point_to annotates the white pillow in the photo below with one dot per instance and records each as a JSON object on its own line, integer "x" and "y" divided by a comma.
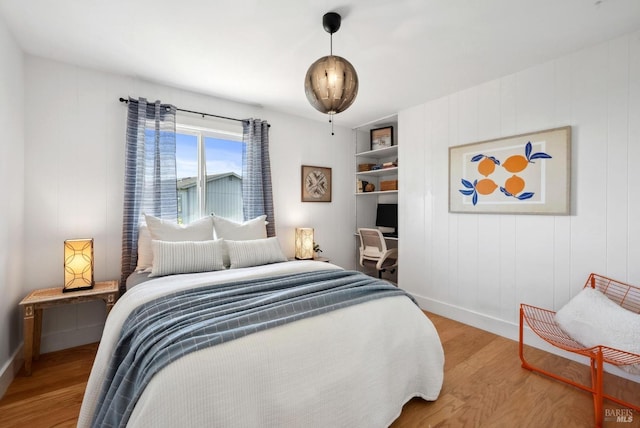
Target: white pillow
{"x": 251, "y": 229}
{"x": 592, "y": 319}
{"x": 230, "y": 230}
{"x": 145, "y": 254}
{"x": 254, "y": 252}
{"x": 186, "y": 257}
{"x": 163, "y": 230}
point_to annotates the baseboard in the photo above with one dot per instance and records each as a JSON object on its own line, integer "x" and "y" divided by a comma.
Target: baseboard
{"x": 10, "y": 370}
{"x": 506, "y": 329}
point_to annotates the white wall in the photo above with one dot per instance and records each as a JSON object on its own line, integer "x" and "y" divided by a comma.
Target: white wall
{"x": 479, "y": 268}
{"x": 11, "y": 175}
{"x": 74, "y": 168}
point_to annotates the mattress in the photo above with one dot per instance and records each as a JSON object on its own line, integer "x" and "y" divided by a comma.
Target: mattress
{"x": 353, "y": 367}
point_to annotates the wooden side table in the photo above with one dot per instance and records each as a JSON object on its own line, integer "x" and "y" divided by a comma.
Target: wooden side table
{"x": 317, "y": 259}
{"x": 37, "y": 300}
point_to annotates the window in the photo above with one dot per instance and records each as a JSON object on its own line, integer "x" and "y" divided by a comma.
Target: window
{"x": 209, "y": 172}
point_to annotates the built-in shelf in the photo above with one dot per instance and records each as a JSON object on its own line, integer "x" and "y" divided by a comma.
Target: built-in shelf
{"x": 366, "y": 202}
{"x": 378, "y": 172}
{"x": 377, "y": 192}
{"x": 380, "y": 153}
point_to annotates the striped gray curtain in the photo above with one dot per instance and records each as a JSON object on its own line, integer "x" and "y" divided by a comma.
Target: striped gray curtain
{"x": 257, "y": 193}
{"x": 150, "y": 173}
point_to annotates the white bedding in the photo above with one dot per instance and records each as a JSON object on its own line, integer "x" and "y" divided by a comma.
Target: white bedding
{"x": 354, "y": 367}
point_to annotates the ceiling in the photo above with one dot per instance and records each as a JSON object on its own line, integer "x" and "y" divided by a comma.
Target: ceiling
{"x": 406, "y": 52}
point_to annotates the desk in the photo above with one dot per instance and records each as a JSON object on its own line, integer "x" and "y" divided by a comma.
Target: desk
{"x": 37, "y": 300}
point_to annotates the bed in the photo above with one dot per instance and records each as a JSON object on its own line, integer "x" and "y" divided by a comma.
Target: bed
{"x": 355, "y": 366}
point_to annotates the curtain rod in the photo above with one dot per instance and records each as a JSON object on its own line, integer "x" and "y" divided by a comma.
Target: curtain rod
{"x": 123, "y": 100}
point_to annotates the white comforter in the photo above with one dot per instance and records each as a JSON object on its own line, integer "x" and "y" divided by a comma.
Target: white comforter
{"x": 354, "y": 367}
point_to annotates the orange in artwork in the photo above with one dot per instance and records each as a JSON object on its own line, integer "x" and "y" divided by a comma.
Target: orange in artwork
{"x": 486, "y": 167}
{"x": 515, "y": 163}
{"x": 514, "y": 185}
{"x": 486, "y": 186}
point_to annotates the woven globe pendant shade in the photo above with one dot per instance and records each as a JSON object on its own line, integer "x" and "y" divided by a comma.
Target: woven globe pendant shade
{"x": 331, "y": 84}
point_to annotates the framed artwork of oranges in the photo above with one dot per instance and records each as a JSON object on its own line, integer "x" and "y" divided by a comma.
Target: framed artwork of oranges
{"x": 522, "y": 174}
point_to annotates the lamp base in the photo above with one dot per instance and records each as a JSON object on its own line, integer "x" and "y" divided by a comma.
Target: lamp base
{"x": 71, "y": 289}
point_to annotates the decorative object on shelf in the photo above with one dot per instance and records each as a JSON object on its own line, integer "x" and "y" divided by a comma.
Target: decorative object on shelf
{"x": 78, "y": 264}
{"x": 388, "y": 185}
{"x": 391, "y": 164}
{"x": 365, "y": 167}
{"x": 523, "y": 174}
{"x": 360, "y": 185}
{"x": 381, "y": 138}
{"x": 331, "y": 83}
{"x": 316, "y": 184}
{"x": 304, "y": 244}
{"x": 370, "y": 187}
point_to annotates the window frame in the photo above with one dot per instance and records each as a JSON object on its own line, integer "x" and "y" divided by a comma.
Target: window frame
{"x": 201, "y": 133}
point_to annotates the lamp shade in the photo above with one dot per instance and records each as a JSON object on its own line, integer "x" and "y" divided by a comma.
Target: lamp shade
{"x": 304, "y": 243}
{"x": 78, "y": 264}
{"x": 331, "y": 84}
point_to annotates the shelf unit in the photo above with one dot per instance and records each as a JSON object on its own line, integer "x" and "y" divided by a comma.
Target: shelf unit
{"x": 366, "y": 202}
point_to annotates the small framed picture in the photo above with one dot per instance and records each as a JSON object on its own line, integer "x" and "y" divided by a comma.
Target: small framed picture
{"x": 316, "y": 184}
{"x": 381, "y": 138}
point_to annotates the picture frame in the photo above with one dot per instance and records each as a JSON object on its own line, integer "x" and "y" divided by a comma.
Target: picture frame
{"x": 521, "y": 174}
{"x": 381, "y": 137}
{"x": 315, "y": 184}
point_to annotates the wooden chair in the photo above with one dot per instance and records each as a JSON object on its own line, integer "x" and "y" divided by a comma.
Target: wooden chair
{"x": 543, "y": 323}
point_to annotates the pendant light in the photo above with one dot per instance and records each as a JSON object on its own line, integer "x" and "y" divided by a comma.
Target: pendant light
{"x": 331, "y": 83}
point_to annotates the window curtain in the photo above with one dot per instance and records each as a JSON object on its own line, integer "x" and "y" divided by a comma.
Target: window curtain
{"x": 150, "y": 173}
{"x": 257, "y": 193}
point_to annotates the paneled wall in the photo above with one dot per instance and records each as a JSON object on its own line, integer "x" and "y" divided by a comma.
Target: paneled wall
{"x": 477, "y": 268}
{"x": 74, "y": 171}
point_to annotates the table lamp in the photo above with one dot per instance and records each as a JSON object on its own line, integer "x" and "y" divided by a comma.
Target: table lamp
{"x": 304, "y": 243}
{"x": 78, "y": 264}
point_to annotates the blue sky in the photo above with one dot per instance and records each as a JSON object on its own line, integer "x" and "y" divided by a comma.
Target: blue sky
{"x": 221, "y": 155}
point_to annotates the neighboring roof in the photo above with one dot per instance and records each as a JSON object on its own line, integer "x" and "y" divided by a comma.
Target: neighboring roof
{"x": 187, "y": 182}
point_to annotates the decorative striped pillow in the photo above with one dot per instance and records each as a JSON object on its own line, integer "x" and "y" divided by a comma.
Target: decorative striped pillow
{"x": 254, "y": 252}
{"x": 186, "y": 257}
{"x": 226, "y": 229}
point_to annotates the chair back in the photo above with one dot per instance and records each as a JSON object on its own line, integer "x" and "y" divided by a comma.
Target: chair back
{"x": 372, "y": 244}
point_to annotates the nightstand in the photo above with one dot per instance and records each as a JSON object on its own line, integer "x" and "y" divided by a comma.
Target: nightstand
{"x": 317, "y": 259}
{"x": 37, "y": 300}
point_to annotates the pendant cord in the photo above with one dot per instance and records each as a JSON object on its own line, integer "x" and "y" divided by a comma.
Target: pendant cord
{"x": 331, "y": 44}
{"x": 331, "y": 54}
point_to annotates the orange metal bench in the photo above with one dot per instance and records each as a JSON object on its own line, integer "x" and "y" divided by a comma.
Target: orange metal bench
{"x": 542, "y": 322}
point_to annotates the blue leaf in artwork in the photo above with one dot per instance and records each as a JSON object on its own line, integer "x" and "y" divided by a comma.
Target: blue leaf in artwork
{"x": 467, "y": 184}
{"x": 503, "y": 190}
{"x": 526, "y": 195}
{"x": 467, "y": 192}
{"x": 527, "y": 150}
{"x": 476, "y": 158}
{"x": 540, "y": 155}
{"x": 496, "y": 161}
{"x": 475, "y": 198}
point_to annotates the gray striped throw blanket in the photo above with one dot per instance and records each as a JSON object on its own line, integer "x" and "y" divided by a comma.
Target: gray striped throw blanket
{"x": 163, "y": 330}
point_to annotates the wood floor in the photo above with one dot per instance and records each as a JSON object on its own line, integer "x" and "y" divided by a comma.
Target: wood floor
{"x": 484, "y": 386}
